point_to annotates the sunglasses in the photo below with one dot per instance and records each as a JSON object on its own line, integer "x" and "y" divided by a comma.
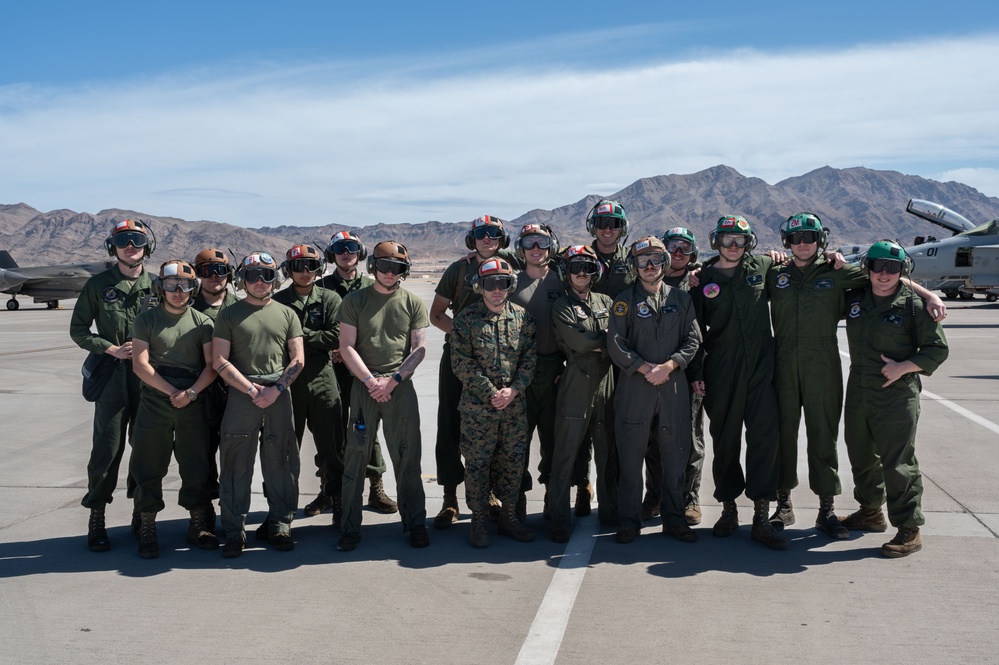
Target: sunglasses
{"x": 890, "y": 266}
{"x": 346, "y": 247}
{"x": 607, "y": 223}
{"x": 206, "y": 270}
{"x": 171, "y": 285}
{"x": 802, "y": 237}
{"x": 734, "y": 240}
{"x": 646, "y": 260}
{"x": 266, "y": 275}
{"x": 304, "y": 265}
{"x": 532, "y": 241}
{"x": 674, "y": 245}
{"x": 481, "y": 232}
{"x": 502, "y": 282}
{"x": 126, "y": 238}
{"x": 390, "y": 266}
{"x": 583, "y": 268}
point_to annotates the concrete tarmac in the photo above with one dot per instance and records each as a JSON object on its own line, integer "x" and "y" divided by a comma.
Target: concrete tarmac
{"x": 590, "y": 601}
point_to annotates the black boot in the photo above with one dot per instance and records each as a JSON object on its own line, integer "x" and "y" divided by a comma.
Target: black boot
{"x": 728, "y": 522}
{"x": 763, "y": 529}
{"x": 827, "y": 522}
{"x": 97, "y": 534}
{"x": 784, "y": 512}
{"x": 149, "y": 546}
{"x": 198, "y": 531}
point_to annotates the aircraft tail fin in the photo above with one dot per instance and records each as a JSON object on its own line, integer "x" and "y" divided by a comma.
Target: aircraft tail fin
{"x": 7, "y": 261}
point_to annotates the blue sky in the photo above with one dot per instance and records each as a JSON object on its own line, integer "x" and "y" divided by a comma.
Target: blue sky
{"x": 309, "y": 113}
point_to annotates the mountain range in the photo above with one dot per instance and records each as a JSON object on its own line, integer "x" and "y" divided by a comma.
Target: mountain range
{"x": 858, "y": 205}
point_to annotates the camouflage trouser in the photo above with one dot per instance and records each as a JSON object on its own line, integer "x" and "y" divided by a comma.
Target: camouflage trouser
{"x": 494, "y": 445}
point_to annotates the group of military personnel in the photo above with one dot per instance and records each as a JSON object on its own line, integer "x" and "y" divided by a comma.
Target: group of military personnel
{"x": 611, "y": 353}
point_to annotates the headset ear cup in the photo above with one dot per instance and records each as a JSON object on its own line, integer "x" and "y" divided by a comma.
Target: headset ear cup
{"x": 825, "y": 239}
{"x": 506, "y": 240}
{"x": 752, "y": 243}
{"x": 362, "y": 254}
{"x": 284, "y": 269}
{"x": 469, "y": 240}
{"x": 109, "y": 247}
{"x": 713, "y": 240}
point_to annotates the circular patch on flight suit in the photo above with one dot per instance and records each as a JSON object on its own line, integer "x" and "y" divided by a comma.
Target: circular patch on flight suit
{"x": 783, "y": 280}
{"x": 854, "y": 310}
{"x": 110, "y": 294}
{"x": 643, "y": 311}
{"x": 580, "y": 312}
{"x": 620, "y": 308}
{"x": 711, "y": 290}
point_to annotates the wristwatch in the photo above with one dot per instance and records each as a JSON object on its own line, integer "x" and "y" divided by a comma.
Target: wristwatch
{"x": 280, "y": 387}
{"x": 398, "y": 377}
{"x": 191, "y": 394}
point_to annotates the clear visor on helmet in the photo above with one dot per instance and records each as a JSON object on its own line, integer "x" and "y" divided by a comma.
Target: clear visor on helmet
{"x": 535, "y": 240}
{"x": 674, "y": 245}
{"x": 654, "y": 259}
{"x": 739, "y": 240}
{"x": 172, "y": 284}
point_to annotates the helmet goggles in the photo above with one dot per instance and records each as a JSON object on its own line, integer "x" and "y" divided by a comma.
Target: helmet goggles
{"x": 348, "y": 246}
{"x": 123, "y": 239}
{"x": 304, "y": 265}
{"x": 803, "y": 237}
{"x": 654, "y": 259}
{"x": 487, "y": 230}
{"x": 891, "y": 266}
{"x": 603, "y": 222}
{"x": 391, "y": 266}
{"x": 266, "y": 275}
{"x": 674, "y": 245}
{"x": 172, "y": 284}
{"x": 734, "y": 240}
{"x": 536, "y": 240}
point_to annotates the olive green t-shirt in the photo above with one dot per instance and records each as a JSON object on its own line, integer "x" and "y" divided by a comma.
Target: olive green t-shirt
{"x": 538, "y": 296}
{"x": 175, "y": 340}
{"x": 383, "y": 323}
{"x": 259, "y": 337}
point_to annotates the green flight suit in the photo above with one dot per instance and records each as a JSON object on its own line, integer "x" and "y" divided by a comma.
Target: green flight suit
{"x": 176, "y": 351}
{"x": 315, "y": 395}
{"x": 652, "y": 328}
{"x": 584, "y": 410}
{"x": 805, "y": 308}
{"x": 111, "y": 301}
{"x": 617, "y": 274}
{"x": 490, "y": 352}
{"x": 737, "y": 368}
{"x": 345, "y": 380}
{"x": 880, "y": 427}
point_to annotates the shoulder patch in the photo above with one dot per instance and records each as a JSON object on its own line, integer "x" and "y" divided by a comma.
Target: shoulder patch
{"x": 620, "y": 308}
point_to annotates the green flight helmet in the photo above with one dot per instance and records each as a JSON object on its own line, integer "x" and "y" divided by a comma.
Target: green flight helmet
{"x": 682, "y": 233}
{"x": 606, "y": 209}
{"x": 732, "y": 225}
{"x": 804, "y": 221}
{"x": 888, "y": 250}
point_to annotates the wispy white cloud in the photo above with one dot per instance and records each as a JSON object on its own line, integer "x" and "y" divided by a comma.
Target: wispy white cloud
{"x": 360, "y": 143}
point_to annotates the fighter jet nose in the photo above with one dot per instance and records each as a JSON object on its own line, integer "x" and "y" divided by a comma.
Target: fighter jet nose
{"x": 9, "y": 279}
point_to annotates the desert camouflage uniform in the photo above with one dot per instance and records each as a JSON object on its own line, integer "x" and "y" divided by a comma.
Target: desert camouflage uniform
{"x": 490, "y": 352}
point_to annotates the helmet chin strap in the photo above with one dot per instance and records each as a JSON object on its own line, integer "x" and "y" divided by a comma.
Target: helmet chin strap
{"x": 132, "y": 266}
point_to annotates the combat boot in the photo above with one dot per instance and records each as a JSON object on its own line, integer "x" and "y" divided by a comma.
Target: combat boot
{"x": 198, "y": 532}
{"x": 337, "y": 510}
{"x": 480, "y": 534}
{"x": 149, "y": 546}
{"x": 584, "y": 494}
{"x": 136, "y": 524}
{"x": 728, "y": 522}
{"x": 449, "y": 510}
{"x": 650, "y": 507}
{"x": 784, "y": 512}
{"x": 321, "y": 503}
{"x": 692, "y": 513}
{"x": 521, "y": 509}
{"x": 379, "y": 500}
{"x": 495, "y": 506}
{"x": 546, "y": 512}
{"x": 509, "y": 525}
{"x": 866, "y": 519}
{"x": 97, "y": 534}
{"x": 827, "y": 522}
{"x": 905, "y": 542}
{"x": 763, "y": 528}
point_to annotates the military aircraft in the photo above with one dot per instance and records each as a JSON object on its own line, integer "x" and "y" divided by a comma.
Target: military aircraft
{"x": 47, "y": 284}
{"x": 962, "y": 265}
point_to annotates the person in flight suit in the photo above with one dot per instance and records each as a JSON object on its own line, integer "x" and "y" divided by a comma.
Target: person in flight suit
{"x": 607, "y": 222}
{"x": 493, "y": 354}
{"x": 383, "y": 340}
{"x": 345, "y": 251}
{"x": 807, "y": 298}
{"x": 682, "y": 248}
{"x": 736, "y": 378}
{"x": 111, "y": 300}
{"x": 892, "y": 341}
{"x": 257, "y": 349}
{"x": 486, "y": 238}
{"x": 653, "y": 336}
{"x": 315, "y": 396}
{"x": 584, "y": 409}
{"x": 172, "y": 355}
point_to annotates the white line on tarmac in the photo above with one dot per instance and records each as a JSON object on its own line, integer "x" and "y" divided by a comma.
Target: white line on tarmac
{"x": 545, "y": 637}
{"x": 956, "y": 408}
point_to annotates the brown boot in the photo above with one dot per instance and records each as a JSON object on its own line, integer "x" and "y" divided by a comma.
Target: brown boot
{"x": 905, "y": 542}
{"x": 97, "y": 534}
{"x": 827, "y": 522}
{"x": 650, "y": 507}
{"x": 198, "y": 532}
{"x": 321, "y": 503}
{"x": 728, "y": 522}
{"x": 763, "y": 528}
{"x": 509, "y": 525}
{"x": 584, "y": 495}
{"x": 449, "y": 510}
{"x": 692, "y": 513}
{"x": 379, "y": 500}
{"x": 149, "y": 546}
{"x": 866, "y": 519}
{"x": 479, "y": 536}
{"x": 784, "y": 512}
